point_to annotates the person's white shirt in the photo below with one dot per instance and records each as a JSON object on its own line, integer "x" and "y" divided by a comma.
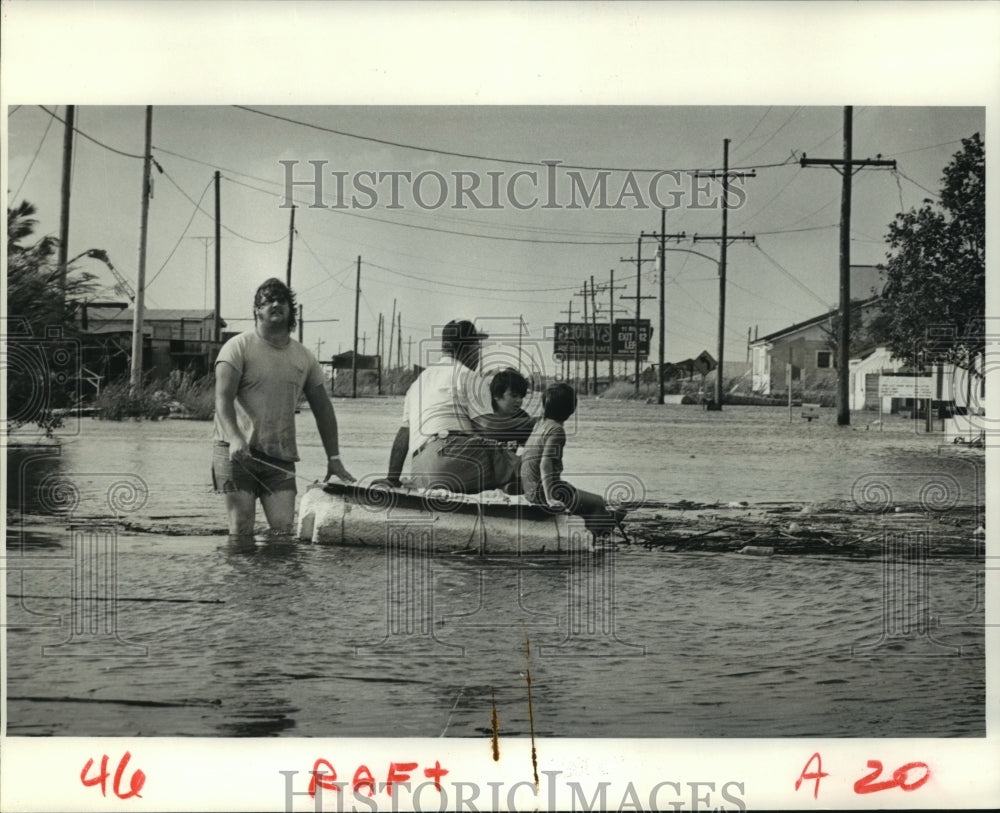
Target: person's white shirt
{"x": 446, "y": 397}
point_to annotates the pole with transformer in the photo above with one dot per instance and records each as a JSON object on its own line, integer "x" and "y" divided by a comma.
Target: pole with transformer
{"x": 845, "y": 166}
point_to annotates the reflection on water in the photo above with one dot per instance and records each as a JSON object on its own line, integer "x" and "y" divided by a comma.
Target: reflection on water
{"x": 271, "y": 637}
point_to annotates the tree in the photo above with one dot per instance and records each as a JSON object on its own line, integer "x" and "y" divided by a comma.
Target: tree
{"x": 935, "y": 292}
{"x": 40, "y": 361}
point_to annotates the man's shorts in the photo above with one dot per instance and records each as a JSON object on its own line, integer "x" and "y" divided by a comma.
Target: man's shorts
{"x": 259, "y": 476}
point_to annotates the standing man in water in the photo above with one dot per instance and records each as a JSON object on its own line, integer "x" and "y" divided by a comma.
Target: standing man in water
{"x": 259, "y": 378}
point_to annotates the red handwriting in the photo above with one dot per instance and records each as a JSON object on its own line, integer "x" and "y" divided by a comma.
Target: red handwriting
{"x": 817, "y": 774}
{"x": 868, "y": 784}
{"x": 324, "y": 776}
{"x": 135, "y": 783}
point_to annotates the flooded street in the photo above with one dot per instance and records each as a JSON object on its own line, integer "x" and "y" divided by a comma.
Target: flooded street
{"x": 207, "y": 638}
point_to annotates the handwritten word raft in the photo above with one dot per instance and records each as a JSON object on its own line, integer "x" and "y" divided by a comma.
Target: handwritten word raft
{"x": 325, "y": 776}
{"x": 901, "y": 777}
{"x": 101, "y": 778}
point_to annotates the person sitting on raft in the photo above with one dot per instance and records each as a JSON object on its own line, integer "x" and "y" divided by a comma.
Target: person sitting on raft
{"x": 542, "y": 467}
{"x": 445, "y": 423}
{"x": 509, "y": 423}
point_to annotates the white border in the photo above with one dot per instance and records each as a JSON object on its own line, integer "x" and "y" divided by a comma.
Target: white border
{"x": 549, "y": 53}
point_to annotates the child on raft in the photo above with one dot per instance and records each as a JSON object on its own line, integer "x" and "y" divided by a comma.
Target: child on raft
{"x": 542, "y": 467}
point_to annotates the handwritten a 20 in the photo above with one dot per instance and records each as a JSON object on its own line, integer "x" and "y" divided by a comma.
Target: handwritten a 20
{"x": 868, "y": 784}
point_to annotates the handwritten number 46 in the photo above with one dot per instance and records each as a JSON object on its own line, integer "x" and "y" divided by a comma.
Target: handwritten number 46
{"x": 135, "y": 783}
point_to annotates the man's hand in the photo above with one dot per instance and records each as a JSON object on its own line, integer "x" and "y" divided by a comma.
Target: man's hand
{"x": 239, "y": 449}
{"x": 334, "y": 468}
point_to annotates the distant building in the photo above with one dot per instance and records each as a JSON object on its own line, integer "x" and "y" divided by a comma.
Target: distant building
{"x": 173, "y": 339}
{"x": 810, "y": 346}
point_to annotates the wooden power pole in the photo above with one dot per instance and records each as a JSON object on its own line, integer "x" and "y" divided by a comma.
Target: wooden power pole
{"x": 845, "y": 166}
{"x": 354, "y": 358}
{"x": 637, "y": 259}
{"x": 67, "y": 176}
{"x": 723, "y": 239}
{"x": 140, "y": 288}
{"x": 663, "y": 237}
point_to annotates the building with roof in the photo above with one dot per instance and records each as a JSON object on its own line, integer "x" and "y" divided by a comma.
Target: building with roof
{"x": 810, "y": 346}
{"x": 173, "y": 339}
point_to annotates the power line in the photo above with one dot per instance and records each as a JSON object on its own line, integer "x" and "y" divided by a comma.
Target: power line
{"x": 453, "y": 154}
{"x": 27, "y": 172}
{"x": 91, "y": 138}
{"x": 197, "y": 205}
{"x": 194, "y": 213}
{"x": 792, "y": 277}
{"x": 439, "y": 230}
{"x": 901, "y": 174}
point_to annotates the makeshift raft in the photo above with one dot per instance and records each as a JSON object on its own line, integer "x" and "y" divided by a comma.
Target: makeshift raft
{"x": 486, "y": 523}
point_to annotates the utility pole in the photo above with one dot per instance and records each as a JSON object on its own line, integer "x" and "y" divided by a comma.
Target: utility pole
{"x": 291, "y": 243}
{"x": 569, "y": 342}
{"x": 67, "y": 177}
{"x": 378, "y": 352}
{"x": 364, "y": 343}
{"x": 637, "y": 259}
{"x": 354, "y": 357}
{"x": 723, "y": 246}
{"x": 611, "y": 288}
{"x": 845, "y": 166}
{"x": 147, "y": 160}
{"x": 392, "y": 334}
{"x": 319, "y": 345}
{"x": 586, "y": 350}
{"x": 593, "y": 319}
{"x": 301, "y": 324}
{"x": 663, "y": 237}
{"x": 409, "y": 352}
{"x": 218, "y": 264}
{"x": 399, "y": 339}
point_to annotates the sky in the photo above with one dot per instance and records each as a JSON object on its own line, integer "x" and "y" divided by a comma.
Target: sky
{"x": 521, "y": 245}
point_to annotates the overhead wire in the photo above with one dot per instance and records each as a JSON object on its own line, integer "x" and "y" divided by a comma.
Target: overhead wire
{"x": 792, "y": 277}
{"x": 80, "y": 132}
{"x": 439, "y": 230}
{"x": 475, "y": 157}
{"x": 194, "y": 213}
{"x": 38, "y": 149}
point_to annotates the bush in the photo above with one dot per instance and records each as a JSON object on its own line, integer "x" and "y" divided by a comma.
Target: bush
{"x": 181, "y": 394}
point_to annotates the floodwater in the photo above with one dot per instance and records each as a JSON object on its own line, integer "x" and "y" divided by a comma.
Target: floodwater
{"x": 187, "y": 633}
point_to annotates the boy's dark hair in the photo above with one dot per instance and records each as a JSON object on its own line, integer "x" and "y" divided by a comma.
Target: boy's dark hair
{"x": 274, "y": 288}
{"x": 559, "y": 402}
{"x": 508, "y": 379}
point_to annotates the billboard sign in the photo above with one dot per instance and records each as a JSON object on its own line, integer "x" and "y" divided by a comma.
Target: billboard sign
{"x": 579, "y": 340}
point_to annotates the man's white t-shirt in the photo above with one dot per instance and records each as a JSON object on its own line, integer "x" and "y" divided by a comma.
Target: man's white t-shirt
{"x": 272, "y": 379}
{"x": 444, "y": 398}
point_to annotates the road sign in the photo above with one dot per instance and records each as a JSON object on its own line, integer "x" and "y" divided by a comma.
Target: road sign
{"x": 906, "y": 386}
{"x": 577, "y": 340}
